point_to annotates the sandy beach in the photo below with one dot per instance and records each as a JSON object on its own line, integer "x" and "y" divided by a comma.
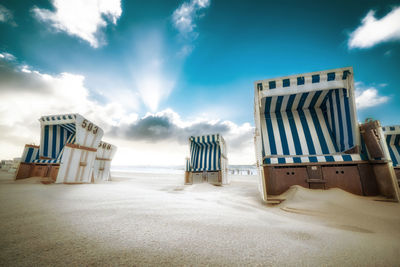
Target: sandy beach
{"x": 153, "y": 219}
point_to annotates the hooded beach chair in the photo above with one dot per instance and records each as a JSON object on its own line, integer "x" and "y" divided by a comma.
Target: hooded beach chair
{"x": 67, "y": 151}
{"x": 30, "y": 153}
{"x": 392, "y": 137}
{"x": 208, "y": 160}
{"x": 307, "y": 134}
{"x": 102, "y": 163}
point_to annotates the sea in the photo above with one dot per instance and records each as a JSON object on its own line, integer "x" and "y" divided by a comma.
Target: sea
{"x": 232, "y": 169}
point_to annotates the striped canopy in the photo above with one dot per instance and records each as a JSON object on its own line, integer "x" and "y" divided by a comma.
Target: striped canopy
{"x": 30, "y": 154}
{"x": 305, "y": 121}
{"x": 57, "y": 131}
{"x": 392, "y": 135}
{"x": 206, "y": 152}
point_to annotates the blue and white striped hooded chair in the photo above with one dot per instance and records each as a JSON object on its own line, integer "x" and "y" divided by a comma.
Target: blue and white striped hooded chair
{"x": 102, "y": 164}
{"x": 307, "y": 132}
{"x": 29, "y": 155}
{"x": 68, "y": 147}
{"x": 392, "y": 137}
{"x": 208, "y": 160}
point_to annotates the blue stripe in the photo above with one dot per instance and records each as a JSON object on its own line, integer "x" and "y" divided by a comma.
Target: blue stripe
{"x": 320, "y": 134}
{"x": 392, "y": 155}
{"x": 46, "y": 141}
{"x": 270, "y": 130}
{"x": 325, "y": 114}
{"x": 313, "y": 159}
{"x": 317, "y": 124}
{"x": 347, "y": 158}
{"x": 348, "y": 119}
{"x": 281, "y": 127}
{"x": 306, "y": 129}
{"x": 339, "y": 115}
{"x": 29, "y": 155}
{"x": 329, "y": 158}
{"x": 292, "y": 124}
{"x": 201, "y": 154}
{"x": 281, "y": 160}
{"x": 209, "y": 154}
{"x": 333, "y": 125}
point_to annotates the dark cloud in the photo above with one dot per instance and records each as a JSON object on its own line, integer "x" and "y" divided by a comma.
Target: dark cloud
{"x": 12, "y": 78}
{"x": 157, "y": 128}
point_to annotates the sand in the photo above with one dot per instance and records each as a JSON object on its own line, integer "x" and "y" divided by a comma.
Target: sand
{"x": 153, "y": 219}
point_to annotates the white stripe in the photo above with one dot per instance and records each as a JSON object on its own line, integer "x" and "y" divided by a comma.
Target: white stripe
{"x": 58, "y": 140}
{"x": 274, "y": 160}
{"x": 278, "y": 142}
{"x": 25, "y": 154}
{"x": 337, "y": 157}
{"x": 50, "y": 142}
{"x": 308, "y": 100}
{"x": 296, "y": 101}
{"x": 321, "y": 98}
{"x": 305, "y": 159}
{"x": 325, "y": 131}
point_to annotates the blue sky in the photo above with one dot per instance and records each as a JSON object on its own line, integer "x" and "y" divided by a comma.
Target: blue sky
{"x": 182, "y": 67}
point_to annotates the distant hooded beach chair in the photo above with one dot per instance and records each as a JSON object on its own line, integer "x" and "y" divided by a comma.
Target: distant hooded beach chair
{"x": 392, "y": 137}
{"x": 208, "y": 160}
{"x": 102, "y": 164}
{"x": 307, "y": 134}
{"x": 67, "y": 151}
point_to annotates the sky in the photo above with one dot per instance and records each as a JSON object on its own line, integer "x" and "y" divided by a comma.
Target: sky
{"x": 152, "y": 73}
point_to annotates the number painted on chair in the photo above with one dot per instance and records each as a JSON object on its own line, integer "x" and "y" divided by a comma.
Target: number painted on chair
{"x": 84, "y": 123}
{"x": 90, "y": 127}
{"x": 95, "y": 129}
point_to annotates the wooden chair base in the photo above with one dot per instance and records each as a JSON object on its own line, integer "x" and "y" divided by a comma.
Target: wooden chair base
{"x": 212, "y": 177}
{"x": 354, "y": 178}
{"x": 27, "y": 170}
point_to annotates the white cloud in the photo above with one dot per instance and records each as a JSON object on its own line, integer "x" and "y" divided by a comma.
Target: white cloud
{"x": 184, "y": 17}
{"x": 82, "y": 18}
{"x": 7, "y": 56}
{"x": 367, "y": 97}
{"x": 373, "y": 31}
{"x": 26, "y": 95}
{"x": 6, "y": 16}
